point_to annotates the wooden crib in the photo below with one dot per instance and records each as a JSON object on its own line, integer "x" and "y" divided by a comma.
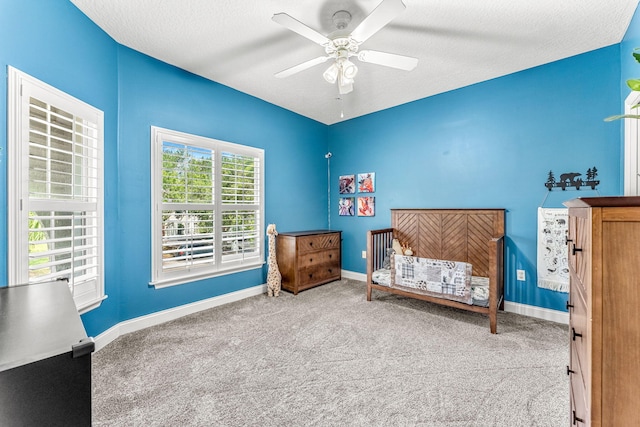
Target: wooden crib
{"x": 474, "y": 236}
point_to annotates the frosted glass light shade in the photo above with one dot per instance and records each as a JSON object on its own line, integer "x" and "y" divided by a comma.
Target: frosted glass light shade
{"x": 349, "y": 69}
{"x": 331, "y": 73}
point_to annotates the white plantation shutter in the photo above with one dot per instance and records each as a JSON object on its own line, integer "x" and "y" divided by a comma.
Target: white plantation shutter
{"x": 241, "y": 201}
{"x": 56, "y": 167}
{"x": 187, "y": 206}
{"x": 207, "y": 199}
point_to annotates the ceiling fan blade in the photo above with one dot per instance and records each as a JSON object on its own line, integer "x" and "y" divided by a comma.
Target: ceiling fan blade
{"x": 301, "y": 67}
{"x": 298, "y": 27}
{"x": 392, "y": 60}
{"x": 381, "y": 16}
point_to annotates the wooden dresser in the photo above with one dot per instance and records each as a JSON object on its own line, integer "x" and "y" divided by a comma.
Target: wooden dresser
{"x": 308, "y": 258}
{"x": 604, "y": 310}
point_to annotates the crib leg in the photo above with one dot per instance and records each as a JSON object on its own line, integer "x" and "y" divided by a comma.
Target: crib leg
{"x": 368, "y": 292}
{"x": 493, "y": 321}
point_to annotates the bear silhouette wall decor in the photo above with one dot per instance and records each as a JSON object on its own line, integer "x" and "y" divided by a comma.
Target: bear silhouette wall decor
{"x": 571, "y": 179}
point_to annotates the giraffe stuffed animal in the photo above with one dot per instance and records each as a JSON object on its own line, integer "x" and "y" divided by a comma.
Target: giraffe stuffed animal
{"x": 274, "y": 278}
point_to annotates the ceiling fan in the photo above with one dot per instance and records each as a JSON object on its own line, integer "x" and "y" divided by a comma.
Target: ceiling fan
{"x": 341, "y": 48}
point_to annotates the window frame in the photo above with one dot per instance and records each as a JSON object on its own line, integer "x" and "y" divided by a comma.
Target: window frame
{"x": 21, "y": 86}
{"x": 161, "y": 278}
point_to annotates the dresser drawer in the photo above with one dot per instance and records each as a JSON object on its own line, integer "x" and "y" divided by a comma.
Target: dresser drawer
{"x": 579, "y": 247}
{"x": 316, "y": 258}
{"x": 318, "y": 242}
{"x": 320, "y": 273}
{"x": 571, "y": 237}
{"x": 578, "y": 372}
{"x": 578, "y": 323}
{"x": 579, "y": 409}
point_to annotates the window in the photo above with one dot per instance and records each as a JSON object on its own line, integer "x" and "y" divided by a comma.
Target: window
{"x": 55, "y": 189}
{"x": 631, "y": 144}
{"x": 207, "y": 202}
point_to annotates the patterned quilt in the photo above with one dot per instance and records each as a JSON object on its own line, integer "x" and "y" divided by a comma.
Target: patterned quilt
{"x": 440, "y": 278}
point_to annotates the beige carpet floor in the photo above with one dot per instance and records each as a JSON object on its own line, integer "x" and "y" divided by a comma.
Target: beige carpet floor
{"x": 327, "y": 357}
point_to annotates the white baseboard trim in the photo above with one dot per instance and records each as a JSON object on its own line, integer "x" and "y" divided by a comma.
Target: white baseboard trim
{"x": 361, "y": 277}
{"x": 159, "y": 317}
{"x": 512, "y": 307}
{"x": 538, "y": 312}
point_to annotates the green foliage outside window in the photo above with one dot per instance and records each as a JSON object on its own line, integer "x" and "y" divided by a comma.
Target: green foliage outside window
{"x": 634, "y": 85}
{"x": 187, "y": 178}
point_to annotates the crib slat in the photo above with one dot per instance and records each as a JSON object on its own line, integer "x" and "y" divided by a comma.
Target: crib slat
{"x": 378, "y": 241}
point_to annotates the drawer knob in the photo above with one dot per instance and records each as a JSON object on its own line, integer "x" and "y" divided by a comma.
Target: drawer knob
{"x": 576, "y": 250}
{"x": 569, "y": 371}
{"x": 330, "y": 241}
{"x": 575, "y": 334}
{"x": 310, "y": 259}
{"x": 310, "y": 275}
{"x": 576, "y": 419}
{"x": 330, "y": 255}
{"x": 569, "y": 305}
{"x": 329, "y": 270}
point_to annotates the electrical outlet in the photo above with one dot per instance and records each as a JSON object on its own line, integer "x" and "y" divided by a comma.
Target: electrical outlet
{"x": 521, "y": 275}
{"x": 364, "y": 254}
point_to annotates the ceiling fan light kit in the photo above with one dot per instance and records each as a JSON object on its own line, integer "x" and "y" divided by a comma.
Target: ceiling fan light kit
{"x": 343, "y": 71}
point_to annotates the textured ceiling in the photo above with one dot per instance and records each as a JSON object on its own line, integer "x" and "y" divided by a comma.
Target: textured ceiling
{"x": 458, "y": 43}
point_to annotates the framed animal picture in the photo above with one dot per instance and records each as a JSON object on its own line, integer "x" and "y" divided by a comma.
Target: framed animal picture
{"x": 347, "y": 184}
{"x": 346, "y": 206}
{"x": 366, "y": 182}
{"x": 366, "y": 206}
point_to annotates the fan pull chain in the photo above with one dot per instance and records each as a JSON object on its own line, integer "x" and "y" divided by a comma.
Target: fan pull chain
{"x": 328, "y": 157}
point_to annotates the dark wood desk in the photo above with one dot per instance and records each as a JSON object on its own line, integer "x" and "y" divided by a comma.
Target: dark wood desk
{"x": 45, "y": 358}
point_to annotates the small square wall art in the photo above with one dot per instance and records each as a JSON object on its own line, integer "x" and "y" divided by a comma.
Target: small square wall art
{"x": 366, "y": 206}
{"x": 347, "y": 184}
{"x": 346, "y": 206}
{"x": 366, "y": 182}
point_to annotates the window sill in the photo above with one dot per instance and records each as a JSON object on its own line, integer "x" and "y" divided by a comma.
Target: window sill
{"x": 174, "y": 281}
{"x": 91, "y": 306}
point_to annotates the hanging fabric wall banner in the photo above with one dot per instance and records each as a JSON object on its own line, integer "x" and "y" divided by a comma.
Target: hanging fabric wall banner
{"x": 553, "y": 268}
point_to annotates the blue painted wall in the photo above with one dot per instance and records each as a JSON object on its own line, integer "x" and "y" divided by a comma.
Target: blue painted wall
{"x": 135, "y": 92}
{"x": 490, "y": 145}
{"x": 152, "y": 93}
{"x": 54, "y": 42}
{"x": 487, "y": 145}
